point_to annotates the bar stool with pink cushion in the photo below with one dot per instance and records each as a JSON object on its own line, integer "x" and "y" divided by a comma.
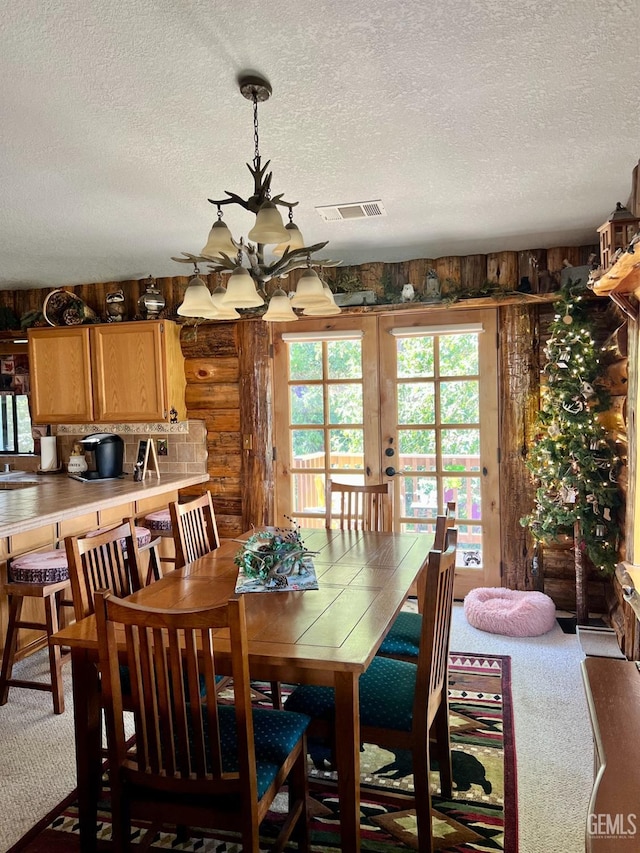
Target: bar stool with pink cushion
{"x": 43, "y": 575}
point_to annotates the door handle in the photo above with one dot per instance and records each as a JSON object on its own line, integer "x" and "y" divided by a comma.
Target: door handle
{"x": 390, "y": 472}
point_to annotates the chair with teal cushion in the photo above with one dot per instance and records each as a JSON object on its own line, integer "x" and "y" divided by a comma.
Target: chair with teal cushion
{"x": 196, "y": 763}
{"x": 403, "y": 640}
{"x": 402, "y": 704}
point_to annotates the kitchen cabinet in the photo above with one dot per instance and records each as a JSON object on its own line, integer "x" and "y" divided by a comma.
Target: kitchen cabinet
{"x": 115, "y": 372}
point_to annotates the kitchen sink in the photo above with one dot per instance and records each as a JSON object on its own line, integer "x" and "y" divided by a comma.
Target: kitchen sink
{"x": 17, "y": 484}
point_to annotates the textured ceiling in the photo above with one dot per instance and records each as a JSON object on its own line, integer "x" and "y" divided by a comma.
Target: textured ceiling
{"x": 483, "y": 126}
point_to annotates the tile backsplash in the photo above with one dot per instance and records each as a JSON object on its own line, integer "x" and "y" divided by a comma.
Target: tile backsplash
{"x": 186, "y": 450}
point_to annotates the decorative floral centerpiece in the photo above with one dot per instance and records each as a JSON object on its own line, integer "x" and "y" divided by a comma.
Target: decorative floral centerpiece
{"x": 275, "y": 559}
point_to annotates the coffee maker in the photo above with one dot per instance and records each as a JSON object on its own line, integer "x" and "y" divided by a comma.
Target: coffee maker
{"x": 107, "y": 450}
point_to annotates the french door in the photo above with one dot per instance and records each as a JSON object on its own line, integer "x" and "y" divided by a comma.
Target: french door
{"x": 409, "y": 398}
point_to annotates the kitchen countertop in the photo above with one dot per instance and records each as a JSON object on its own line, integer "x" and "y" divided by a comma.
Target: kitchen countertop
{"x": 56, "y": 497}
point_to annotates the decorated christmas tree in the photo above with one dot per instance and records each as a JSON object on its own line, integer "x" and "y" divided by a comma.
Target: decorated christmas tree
{"x": 573, "y": 460}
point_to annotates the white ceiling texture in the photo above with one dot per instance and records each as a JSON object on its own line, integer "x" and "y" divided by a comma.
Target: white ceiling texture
{"x": 482, "y": 125}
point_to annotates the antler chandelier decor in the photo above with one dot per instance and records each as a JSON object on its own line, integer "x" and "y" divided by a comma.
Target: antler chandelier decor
{"x": 248, "y": 284}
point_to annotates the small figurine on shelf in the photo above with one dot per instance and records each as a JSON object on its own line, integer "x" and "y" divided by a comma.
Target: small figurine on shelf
{"x": 152, "y": 301}
{"x": 115, "y": 306}
{"x": 432, "y": 287}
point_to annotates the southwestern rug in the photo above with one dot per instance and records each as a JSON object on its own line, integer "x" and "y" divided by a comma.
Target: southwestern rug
{"x": 481, "y": 817}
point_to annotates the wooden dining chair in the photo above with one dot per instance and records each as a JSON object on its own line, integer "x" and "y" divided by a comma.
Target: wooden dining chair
{"x": 358, "y": 507}
{"x": 195, "y": 532}
{"x": 106, "y": 560}
{"x": 196, "y": 762}
{"x": 402, "y": 703}
{"x": 443, "y": 524}
{"x": 403, "y": 638}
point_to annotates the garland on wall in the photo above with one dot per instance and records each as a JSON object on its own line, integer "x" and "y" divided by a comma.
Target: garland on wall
{"x": 573, "y": 460}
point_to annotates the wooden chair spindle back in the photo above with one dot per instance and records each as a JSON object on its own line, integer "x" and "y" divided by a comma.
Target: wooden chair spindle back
{"x": 359, "y": 507}
{"x": 108, "y": 560}
{"x": 195, "y": 531}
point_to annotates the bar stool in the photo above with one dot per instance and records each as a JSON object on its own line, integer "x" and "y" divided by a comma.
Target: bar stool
{"x": 159, "y": 523}
{"x": 43, "y": 575}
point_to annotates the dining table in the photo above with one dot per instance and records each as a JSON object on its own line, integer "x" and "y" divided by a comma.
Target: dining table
{"x": 325, "y": 636}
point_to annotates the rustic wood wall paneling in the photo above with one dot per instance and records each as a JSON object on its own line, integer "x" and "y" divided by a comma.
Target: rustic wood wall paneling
{"x": 212, "y": 370}
{"x": 502, "y": 269}
{"x": 473, "y": 272}
{"x": 530, "y": 264}
{"x": 258, "y": 475}
{"x": 519, "y": 373}
{"x": 416, "y": 273}
{"x": 448, "y": 267}
{"x": 557, "y": 256}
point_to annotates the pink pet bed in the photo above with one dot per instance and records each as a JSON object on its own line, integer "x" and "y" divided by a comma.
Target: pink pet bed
{"x": 511, "y": 612}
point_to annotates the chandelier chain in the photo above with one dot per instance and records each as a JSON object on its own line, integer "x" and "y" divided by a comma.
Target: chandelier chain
{"x": 256, "y": 139}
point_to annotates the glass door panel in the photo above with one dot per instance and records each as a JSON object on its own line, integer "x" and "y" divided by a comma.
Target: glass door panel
{"x": 442, "y": 437}
{"x": 389, "y": 398}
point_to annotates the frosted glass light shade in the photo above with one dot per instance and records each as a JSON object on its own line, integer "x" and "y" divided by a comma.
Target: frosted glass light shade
{"x": 223, "y": 312}
{"x": 268, "y": 227}
{"x": 279, "y": 310}
{"x": 197, "y": 300}
{"x": 219, "y": 241}
{"x": 327, "y": 309}
{"x": 296, "y": 240}
{"x": 241, "y": 291}
{"x": 309, "y": 291}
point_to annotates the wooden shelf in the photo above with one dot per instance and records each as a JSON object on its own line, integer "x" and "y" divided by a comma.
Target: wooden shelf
{"x": 622, "y": 281}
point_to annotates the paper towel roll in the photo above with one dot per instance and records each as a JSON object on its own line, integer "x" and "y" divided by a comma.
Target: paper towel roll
{"x": 48, "y": 453}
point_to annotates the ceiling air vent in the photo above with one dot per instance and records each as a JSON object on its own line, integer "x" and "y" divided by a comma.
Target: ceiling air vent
{"x": 354, "y": 210}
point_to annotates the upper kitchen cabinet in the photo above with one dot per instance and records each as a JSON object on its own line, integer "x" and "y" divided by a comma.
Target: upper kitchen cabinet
{"x": 60, "y": 368}
{"x": 122, "y": 372}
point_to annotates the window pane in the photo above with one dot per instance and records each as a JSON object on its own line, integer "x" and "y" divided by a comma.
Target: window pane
{"x": 418, "y": 497}
{"x": 416, "y": 403}
{"x": 417, "y": 449}
{"x": 469, "y": 550}
{"x": 347, "y": 448}
{"x": 308, "y": 448}
{"x": 461, "y": 449}
{"x": 7, "y": 431}
{"x": 344, "y": 359}
{"x": 345, "y": 404}
{"x": 458, "y": 355}
{"x": 465, "y": 491}
{"x": 308, "y": 492}
{"x": 306, "y": 404}
{"x": 25, "y": 439}
{"x": 415, "y": 356}
{"x": 459, "y": 402}
{"x": 305, "y": 360}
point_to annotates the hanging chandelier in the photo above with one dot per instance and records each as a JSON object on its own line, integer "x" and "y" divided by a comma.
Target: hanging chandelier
{"x": 251, "y": 280}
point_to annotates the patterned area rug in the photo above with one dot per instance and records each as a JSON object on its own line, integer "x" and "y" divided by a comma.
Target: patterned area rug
{"x": 480, "y": 818}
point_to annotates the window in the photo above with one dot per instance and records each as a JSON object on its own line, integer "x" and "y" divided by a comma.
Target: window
{"x": 15, "y": 417}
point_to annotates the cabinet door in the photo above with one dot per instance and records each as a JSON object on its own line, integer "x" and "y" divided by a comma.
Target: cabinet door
{"x": 61, "y": 375}
{"x": 129, "y": 372}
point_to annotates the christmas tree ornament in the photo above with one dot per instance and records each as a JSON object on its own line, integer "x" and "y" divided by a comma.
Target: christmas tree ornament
{"x": 567, "y": 319}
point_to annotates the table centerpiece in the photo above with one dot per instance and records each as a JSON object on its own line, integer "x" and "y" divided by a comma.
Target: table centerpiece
{"x": 274, "y": 560}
